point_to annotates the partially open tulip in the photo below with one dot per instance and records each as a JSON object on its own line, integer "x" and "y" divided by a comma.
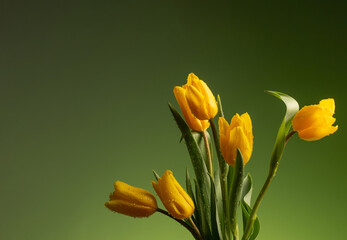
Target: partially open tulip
{"x": 200, "y": 99}
{"x": 315, "y": 121}
{"x": 173, "y": 196}
{"x": 131, "y": 201}
{"x": 236, "y": 135}
{"x": 192, "y": 121}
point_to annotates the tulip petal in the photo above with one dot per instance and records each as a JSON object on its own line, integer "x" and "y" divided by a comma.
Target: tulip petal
{"x": 328, "y": 104}
{"x": 192, "y": 121}
{"x": 130, "y": 209}
{"x": 309, "y": 116}
{"x": 316, "y": 133}
{"x": 223, "y": 134}
{"x": 197, "y": 104}
{"x": 247, "y": 128}
{"x": 172, "y": 195}
{"x": 210, "y": 100}
{"x": 131, "y": 201}
{"x": 132, "y": 194}
{"x": 238, "y": 140}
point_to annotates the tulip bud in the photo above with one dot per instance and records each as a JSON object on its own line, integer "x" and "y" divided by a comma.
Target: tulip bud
{"x": 174, "y": 198}
{"x": 131, "y": 201}
{"x": 192, "y": 121}
{"x": 236, "y": 135}
{"x": 200, "y": 98}
{"x": 315, "y": 121}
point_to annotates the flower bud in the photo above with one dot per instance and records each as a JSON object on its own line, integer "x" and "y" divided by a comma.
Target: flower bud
{"x": 200, "y": 98}
{"x": 174, "y": 198}
{"x": 131, "y": 201}
{"x": 315, "y": 121}
{"x": 236, "y": 135}
{"x": 192, "y": 121}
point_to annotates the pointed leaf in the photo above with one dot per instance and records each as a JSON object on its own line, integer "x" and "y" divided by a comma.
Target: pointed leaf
{"x": 199, "y": 139}
{"x": 204, "y": 219}
{"x": 191, "y": 194}
{"x": 292, "y": 108}
{"x": 236, "y": 188}
{"x": 215, "y": 223}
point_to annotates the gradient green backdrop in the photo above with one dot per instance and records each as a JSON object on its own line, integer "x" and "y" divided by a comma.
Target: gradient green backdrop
{"x": 83, "y": 98}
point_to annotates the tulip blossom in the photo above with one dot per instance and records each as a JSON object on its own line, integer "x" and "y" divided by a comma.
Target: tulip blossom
{"x": 236, "y": 135}
{"x": 315, "y": 121}
{"x": 192, "y": 121}
{"x": 131, "y": 201}
{"x": 200, "y": 99}
{"x": 173, "y": 196}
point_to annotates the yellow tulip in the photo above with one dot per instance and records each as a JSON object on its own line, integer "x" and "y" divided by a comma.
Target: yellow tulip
{"x": 236, "y": 135}
{"x": 200, "y": 99}
{"x": 315, "y": 121}
{"x": 192, "y": 121}
{"x": 173, "y": 196}
{"x": 131, "y": 201}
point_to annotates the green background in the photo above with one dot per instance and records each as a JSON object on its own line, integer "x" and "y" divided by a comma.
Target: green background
{"x": 83, "y": 98}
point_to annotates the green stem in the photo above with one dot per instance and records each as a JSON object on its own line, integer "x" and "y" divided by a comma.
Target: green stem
{"x": 194, "y": 232}
{"x": 271, "y": 175}
{"x": 195, "y": 227}
{"x": 223, "y": 175}
{"x": 208, "y": 152}
{"x": 260, "y": 197}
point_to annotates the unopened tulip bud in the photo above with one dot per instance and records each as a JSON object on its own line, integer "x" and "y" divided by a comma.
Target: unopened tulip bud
{"x": 175, "y": 199}
{"x": 131, "y": 201}
{"x": 315, "y": 121}
{"x": 237, "y": 135}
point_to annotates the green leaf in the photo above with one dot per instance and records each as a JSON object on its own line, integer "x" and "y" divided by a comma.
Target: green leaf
{"x": 220, "y": 107}
{"x": 236, "y": 188}
{"x": 247, "y": 189}
{"x": 156, "y": 175}
{"x": 215, "y": 221}
{"x": 199, "y": 139}
{"x": 191, "y": 194}
{"x": 246, "y": 196}
{"x": 246, "y": 211}
{"x": 200, "y": 170}
{"x": 205, "y": 216}
{"x": 218, "y": 191}
{"x": 292, "y": 108}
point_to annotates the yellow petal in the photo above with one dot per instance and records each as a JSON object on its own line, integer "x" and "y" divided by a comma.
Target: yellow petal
{"x": 131, "y": 201}
{"x": 211, "y": 102}
{"x": 172, "y": 195}
{"x": 133, "y": 194}
{"x": 223, "y": 134}
{"x": 235, "y": 122}
{"x": 193, "y": 122}
{"x": 238, "y": 140}
{"x": 316, "y": 133}
{"x": 197, "y": 103}
{"x": 130, "y": 209}
{"x": 309, "y": 116}
{"x": 247, "y": 128}
{"x": 328, "y": 104}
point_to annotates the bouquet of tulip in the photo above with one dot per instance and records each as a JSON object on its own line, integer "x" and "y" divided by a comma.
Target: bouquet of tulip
{"x": 208, "y": 208}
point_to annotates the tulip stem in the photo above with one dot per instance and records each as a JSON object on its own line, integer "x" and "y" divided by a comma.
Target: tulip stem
{"x": 193, "y": 230}
{"x": 271, "y": 175}
{"x": 289, "y": 136}
{"x": 208, "y": 152}
{"x": 195, "y": 227}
